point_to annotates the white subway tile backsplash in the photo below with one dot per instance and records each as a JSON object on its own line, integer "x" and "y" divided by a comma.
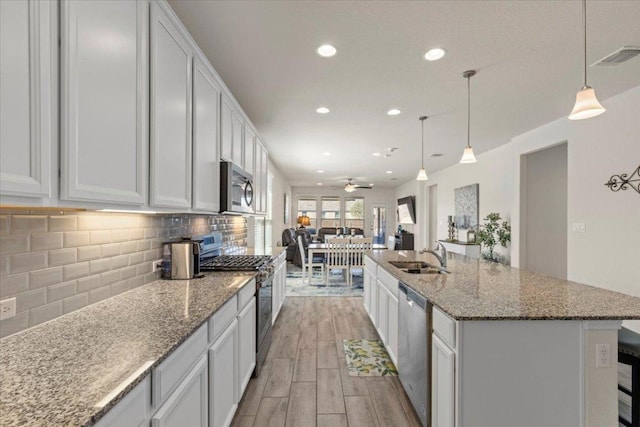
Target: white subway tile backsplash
{"x": 45, "y": 313}
{"x": 58, "y": 263}
{"x": 21, "y": 224}
{"x": 46, "y": 241}
{"x": 30, "y": 299}
{"x": 14, "y": 244}
{"x": 20, "y": 263}
{"x": 40, "y": 278}
{"x": 73, "y": 271}
{"x": 61, "y": 291}
{"x": 74, "y": 239}
{"x": 12, "y": 285}
{"x": 63, "y": 257}
{"x": 87, "y": 253}
{"x": 63, "y": 223}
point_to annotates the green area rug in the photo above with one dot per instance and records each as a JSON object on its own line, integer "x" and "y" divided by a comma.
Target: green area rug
{"x": 368, "y": 358}
{"x": 336, "y": 287}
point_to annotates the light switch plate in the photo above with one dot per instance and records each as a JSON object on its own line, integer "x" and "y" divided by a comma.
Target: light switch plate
{"x": 579, "y": 227}
{"x": 7, "y": 308}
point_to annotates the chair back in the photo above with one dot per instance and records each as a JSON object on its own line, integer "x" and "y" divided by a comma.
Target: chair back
{"x": 358, "y": 247}
{"x": 338, "y": 252}
{"x": 391, "y": 243}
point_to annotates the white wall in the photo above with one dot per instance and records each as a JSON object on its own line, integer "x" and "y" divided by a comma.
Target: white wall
{"x": 607, "y": 255}
{"x": 280, "y": 186}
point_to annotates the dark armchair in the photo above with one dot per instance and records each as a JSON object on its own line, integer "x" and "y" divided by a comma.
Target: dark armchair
{"x": 289, "y": 241}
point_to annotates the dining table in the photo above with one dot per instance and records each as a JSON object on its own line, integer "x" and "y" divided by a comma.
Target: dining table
{"x": 323, "y": 248}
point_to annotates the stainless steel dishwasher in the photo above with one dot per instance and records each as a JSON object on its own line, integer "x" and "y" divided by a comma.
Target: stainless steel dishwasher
{"x": 414, "y": 347}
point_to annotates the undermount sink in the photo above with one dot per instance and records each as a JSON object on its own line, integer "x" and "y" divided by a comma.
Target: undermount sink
{"x": 428, "y": 270}
{"x": 410, "y": 264}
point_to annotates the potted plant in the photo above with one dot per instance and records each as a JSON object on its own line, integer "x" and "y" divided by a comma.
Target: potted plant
{"x": 493, "y": 232}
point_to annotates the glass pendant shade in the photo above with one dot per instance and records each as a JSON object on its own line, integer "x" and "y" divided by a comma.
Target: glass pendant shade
{"x": 467, "y": 156}
{"x": 587, "y": 105}
{"x": 349, "y": 188}
{"x": 422, "y": 175}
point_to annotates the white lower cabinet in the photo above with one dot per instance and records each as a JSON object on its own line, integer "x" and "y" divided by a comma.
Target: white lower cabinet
{"x": 279, "y": 285}
{"x": 392, "y": 328}
{"x": 132, "y": 411}
{"x": 442, "y": 384}
{"x": 246, "y": 345}
{"x": 383, "y": 311}
{"x": 188, "y": 404}
{"x": 224, "y": 372}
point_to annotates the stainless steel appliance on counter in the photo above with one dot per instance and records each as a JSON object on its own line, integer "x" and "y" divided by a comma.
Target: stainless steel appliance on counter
{"x": 414, "y": 362}
{"x": 236, "y": 189}
{"x": 263, "y": 264}
{"x": 181, "y": 259}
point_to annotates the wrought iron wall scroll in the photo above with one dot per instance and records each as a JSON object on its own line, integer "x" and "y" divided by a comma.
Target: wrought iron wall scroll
{"x": 623, "y": 181}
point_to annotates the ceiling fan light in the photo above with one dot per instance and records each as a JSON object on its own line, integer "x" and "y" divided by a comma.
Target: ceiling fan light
{"x": 349, "y": 188}
{"x": 587, "y": 105}
{"x": 467, "y": 156}
{"x": 422, "y": 175}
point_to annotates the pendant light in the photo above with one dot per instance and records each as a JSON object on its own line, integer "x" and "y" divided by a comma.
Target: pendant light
{"x": 587, "y": 104}
{"x": 467, "y": 155}
{"x": 422, "y": 174}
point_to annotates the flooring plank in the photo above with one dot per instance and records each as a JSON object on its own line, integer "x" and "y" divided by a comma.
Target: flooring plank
{"x": 327, "y": 357}
{"x": 332, "y": 420}
{"x": 341, "y": 323}
{"x": 243, "y": 421}
{"x": 308, "y": 337}
{"x": 329, "y": 394}
{"x": 326, "y": 332}
{"x": 360, "y": 412}
{"x": 272, "y": 412}
{"x": 409, "y": 410}
{"x": 253, "y": 394}
{"x": 279, "y": 381}
{"x": 353, "y": 386}
{"x": 302, "y": 405}
{"x": 287, "y": 346}
{"x": 305, "y": 365}
{"x": 386, "y": 403}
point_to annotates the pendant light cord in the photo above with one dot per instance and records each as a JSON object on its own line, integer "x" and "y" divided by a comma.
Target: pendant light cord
{"x": 468, "y": 110}
{"x": 422, "y": 155}
{"x": 584, "y": 34}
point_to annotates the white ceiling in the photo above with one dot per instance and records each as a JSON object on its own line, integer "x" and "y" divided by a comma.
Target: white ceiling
{"x": 528, "y": 55}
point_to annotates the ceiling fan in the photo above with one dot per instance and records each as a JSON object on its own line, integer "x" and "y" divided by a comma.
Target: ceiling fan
{"x": 350, "y": 187}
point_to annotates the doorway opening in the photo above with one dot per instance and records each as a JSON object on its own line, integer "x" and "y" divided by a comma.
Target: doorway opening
{"x": 379, "y": 224}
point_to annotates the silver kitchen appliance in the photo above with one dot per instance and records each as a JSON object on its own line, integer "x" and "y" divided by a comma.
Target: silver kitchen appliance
{"x": 181, "y": 259}
{"x": 236, "y": 189}
{"x": 414, "y": 347}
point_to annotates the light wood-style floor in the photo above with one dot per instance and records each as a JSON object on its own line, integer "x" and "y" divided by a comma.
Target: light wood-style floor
{"x": 305, "y": 380}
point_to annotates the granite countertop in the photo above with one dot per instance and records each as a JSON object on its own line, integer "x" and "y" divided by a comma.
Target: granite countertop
{"x": 478, "y": 289}
{"x": 54, "y": 374}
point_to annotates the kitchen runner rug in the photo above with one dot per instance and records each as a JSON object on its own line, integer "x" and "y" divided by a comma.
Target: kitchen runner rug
{"x": 337, "y": 286}
{"x": 368, "y": 358}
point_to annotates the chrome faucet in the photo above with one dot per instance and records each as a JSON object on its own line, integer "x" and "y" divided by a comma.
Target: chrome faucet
{"x": 442, "y": 256}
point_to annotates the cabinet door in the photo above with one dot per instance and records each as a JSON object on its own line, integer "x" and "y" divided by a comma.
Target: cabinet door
{"x": 238, "y": 140}
{"x": 246, "y": 345}
{"x": 133, "y": 410}
{"x": 28, "y": 53}
{"x": 264, "y": 180}
{"x": 104, "y": 119}
{"x": 249, "y": 151}
{"x": 187, "y": 406}
{"x": 224, "y": 371}
{"x": 366, "y": 289}
{"x": 392, "y": 327}
{"x": 226, "y": 129}
{"x": 206, "y": 167}
{"x": 171, "y": 61}
{"x": 257, "y": 178}
{"x": 373, "y": 297}
{"x": 442, "y": 384}
{"x": 383, "y": 303}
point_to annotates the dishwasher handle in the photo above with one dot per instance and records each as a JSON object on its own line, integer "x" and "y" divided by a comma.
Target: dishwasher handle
{"x": 412, "y": 296}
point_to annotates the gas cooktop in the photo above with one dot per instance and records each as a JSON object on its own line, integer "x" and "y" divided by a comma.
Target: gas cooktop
{"x": 235, "y": 263}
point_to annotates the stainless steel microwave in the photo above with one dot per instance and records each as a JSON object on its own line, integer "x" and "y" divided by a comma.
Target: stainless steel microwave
{"x": 236, "y": 189}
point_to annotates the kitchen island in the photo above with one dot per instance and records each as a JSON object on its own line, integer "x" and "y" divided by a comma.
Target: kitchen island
{"x": 509, "y": 347}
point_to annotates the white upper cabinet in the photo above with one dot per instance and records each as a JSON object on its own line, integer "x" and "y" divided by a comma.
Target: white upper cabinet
{"x": 260, "y": 177}
{"x": 249, "y": 150}
{"x": 206, "y": 165}
{"x": 170, "y": 149}
{"x": 104, "y": 114}
{"x": 28, "y": 63}
{"x": 238, "y": 140}
{"x": 226, "y": 129}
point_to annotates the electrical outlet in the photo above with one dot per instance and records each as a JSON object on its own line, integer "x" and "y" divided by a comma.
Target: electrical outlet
{"x": 7, "y": 308}
{"x": 579, "y": 227}
{"x": 603, "y": 356}
{"x": 156, "y": 265}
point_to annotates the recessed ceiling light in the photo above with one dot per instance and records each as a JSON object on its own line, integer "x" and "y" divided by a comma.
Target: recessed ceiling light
{"x": 320, "y": 171}
{"x": 393, "y": 112}
{"x": 326, "y": 153}
{"x": 319, "y": 183}
{"x": 434, "y": 54}
{"x": 389, "y": 171}
{"x": 322, "y": 110}
{"x": 326, "y": 50}
{"x": 371, "y": 185}
{"x": 375, "y": 154}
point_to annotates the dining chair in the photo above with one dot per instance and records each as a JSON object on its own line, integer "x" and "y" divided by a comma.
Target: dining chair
{"x": 337, "y": 257}
{"x": 391, "y": 243}
{"x": 315, "y": 262}
{"x": 357, "y": 248}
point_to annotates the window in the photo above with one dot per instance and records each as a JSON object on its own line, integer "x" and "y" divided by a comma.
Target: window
{"x": 308, "y": 206}
{"x": 330, "y": 211}
{"x": 354, "y": 212}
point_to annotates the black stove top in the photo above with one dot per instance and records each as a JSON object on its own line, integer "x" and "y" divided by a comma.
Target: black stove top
{"x": 235, "y": 263}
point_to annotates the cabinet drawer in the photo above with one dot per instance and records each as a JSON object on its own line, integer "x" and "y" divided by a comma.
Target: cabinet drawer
{"x": 170, "y": 372}
{"x": 444, "y": 327}
{"x": 222, "y": 318}
{"x": 388, "y": 281}
{"x": 246, "y": 294}
{"x": 370, "y": 264}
